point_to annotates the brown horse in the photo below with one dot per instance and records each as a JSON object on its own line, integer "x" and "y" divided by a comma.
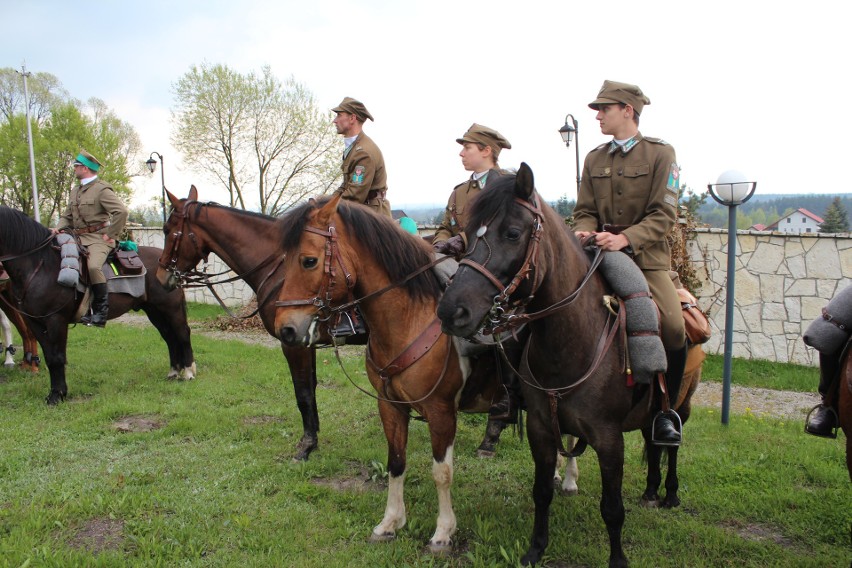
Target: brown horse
{"x": 521, "y": 254}
{"x": 250, "y": 244}
{"x": 339, "y": 253}
{"x": 48, "y": 308}
{"x": 30, "y": 361}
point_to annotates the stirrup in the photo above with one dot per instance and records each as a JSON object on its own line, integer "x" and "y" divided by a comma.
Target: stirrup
{"x": 347, "y": 327}
{"x": 675, "y": 418}
{"x": 832, "y": 433}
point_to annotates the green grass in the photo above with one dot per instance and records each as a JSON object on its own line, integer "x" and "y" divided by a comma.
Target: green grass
{"x": 215, "y": 485}
{"x": 763, "y": 374}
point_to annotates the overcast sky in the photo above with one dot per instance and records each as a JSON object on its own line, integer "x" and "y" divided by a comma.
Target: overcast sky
{"x": 755, "y": 86}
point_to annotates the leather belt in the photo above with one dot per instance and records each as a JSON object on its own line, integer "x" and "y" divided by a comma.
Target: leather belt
{"x": 374, "y": 193}
{"x": 614, "y": 229}
{"x": 92, "y": 228}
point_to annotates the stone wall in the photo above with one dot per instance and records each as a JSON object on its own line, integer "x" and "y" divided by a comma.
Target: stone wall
{"x": 782, "y": 283}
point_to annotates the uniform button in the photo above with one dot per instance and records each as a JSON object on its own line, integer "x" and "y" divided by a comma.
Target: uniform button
{"x": 619, "y": 211}
{"x": 620, "y": 172}
{"x": 619, "y": 192}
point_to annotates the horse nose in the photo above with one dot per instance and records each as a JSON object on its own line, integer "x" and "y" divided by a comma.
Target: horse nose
{"x": 288, "y": 336}
{"x": 453, "y": 318}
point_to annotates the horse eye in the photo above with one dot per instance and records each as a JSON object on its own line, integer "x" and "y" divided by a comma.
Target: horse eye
{"x": 309, "y": 262}
{"x": 513, "y": 234}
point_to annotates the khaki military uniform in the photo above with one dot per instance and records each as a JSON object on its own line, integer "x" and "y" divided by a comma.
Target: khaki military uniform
{"x": 95, "y": 210}
{"x": 458, "y": 206}
{"x": 364, "y": 177}
{"x": 637, "y": 193}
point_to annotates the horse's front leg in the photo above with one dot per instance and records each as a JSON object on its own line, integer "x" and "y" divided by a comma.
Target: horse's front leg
{"x": 302, "y": 364}
{"x": 543, "y": 447}
{"x": 52, "y": 335}
{"x": 442, "y": 428}
{"x": 395, "y": 423}
{"x": 611, "y": 459}
{"x": 488, "y": 447}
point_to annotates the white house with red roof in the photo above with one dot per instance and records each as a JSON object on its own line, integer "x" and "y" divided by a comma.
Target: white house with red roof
{"x": 799, "y": 221}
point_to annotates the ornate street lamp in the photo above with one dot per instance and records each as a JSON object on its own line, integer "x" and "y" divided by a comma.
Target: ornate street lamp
{"x": 730, "y": 190}
{"x": 568, "y": 131}
{"x": 152, "y": 165}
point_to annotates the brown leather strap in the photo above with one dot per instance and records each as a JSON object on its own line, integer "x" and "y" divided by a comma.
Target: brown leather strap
{"x": 374, "y": 193}
{"x": 661, "y": 380}
{"x": 614, "y": 229}
{"x": 843, "y": 326}
{"x": 415, "y": 350}
{"x": 91, "y": 228}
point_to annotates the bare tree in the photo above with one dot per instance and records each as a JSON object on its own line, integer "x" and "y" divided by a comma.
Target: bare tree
{"x": 253, "y": 131}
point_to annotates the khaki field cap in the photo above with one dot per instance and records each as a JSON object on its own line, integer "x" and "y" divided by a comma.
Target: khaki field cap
{"x": 86, "y": 159}
{"x": 352, "y": 106}
{"x": 614, "y": 92}
{"x": 479, "y": 134}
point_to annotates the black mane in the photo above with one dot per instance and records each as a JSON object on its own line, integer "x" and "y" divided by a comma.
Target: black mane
{"x": 18, "y": 232}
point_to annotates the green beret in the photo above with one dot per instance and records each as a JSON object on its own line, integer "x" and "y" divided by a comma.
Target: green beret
{"x": 352, "y": 106}
{"x": 479, "y": 134}
{"x": 613, "y": 92}
{"x": 86, "y": 159}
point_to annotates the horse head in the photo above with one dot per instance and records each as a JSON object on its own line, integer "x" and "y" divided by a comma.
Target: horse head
{"x": 180, "y": 255}
{"x": 498, "y": 271}
{"x": 317, "y": 272}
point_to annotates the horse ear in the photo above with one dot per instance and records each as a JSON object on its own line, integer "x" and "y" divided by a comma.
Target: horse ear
{"x": 193, "y": 193}
{"x": 524, "y": 182}
{"x": 174, "y": 200}
{"x": 328, "y": 210}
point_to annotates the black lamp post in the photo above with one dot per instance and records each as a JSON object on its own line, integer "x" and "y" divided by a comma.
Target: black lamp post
{"x": 152, "y": 165}
{"x": 568, "y": 131}
{"x": 730, "y": 190}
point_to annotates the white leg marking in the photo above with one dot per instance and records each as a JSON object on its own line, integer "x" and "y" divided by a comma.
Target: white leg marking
{"x": 394, "y": 511}
{"x": 442, "y": 472}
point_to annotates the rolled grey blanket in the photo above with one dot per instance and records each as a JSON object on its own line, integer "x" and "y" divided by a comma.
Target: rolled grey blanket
{"x": 647, "y": 354}
{"x": 69, "y": 267}
{"x": 830, "y": 332}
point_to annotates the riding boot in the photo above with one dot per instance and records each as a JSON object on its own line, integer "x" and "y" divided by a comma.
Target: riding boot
{"x": 667, "y": 425}
{"x": 507, "y": 406}
{"x": 349, "y": 323}
{"x": 100, "y": 305}
{"x": 822, "y": 420}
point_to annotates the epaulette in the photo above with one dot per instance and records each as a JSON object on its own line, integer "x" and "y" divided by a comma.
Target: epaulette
{"x": 656, "y": 141}
{"x": 461, "y": 184}
{"x": 601, "y": 147}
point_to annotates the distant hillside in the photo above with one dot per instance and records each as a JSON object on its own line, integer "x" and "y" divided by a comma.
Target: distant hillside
{"x": 769, "y": 208}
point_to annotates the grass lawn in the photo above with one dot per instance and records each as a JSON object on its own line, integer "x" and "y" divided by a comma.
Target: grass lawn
{"x": 205, "y": 476}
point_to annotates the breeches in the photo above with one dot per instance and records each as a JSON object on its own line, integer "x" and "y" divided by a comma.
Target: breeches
{"x": 98, "y": 253}
{"x": 671, "y": 319}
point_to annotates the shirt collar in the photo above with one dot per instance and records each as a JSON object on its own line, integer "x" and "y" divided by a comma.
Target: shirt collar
{"x": 88, "y": 180}
{"x": 623, "y": 145}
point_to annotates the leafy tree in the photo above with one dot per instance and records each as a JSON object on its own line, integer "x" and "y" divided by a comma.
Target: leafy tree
{"x": 60, "y": 126}
{"x": 835, "y": 218}
{"x": 564, "y": 207}
{"x": 255, "y": 131}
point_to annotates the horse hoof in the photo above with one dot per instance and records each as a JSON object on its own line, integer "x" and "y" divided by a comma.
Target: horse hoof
{"x": 304, "y": 448}
{"x": 8, "y": 365}
{"x": 384, "y": 537}
{"x": 649, "y": 503}
{"x": 480, "y": 453}
{"x": 568, "y": 492}
{"x": 440, "y": 548}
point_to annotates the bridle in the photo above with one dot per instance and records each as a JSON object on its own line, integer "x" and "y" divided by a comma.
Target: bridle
{"x": 195, "y": 278}
{"x": 506, "y": 314}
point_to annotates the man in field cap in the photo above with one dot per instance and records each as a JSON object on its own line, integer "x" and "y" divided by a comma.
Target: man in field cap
{"x": 97, "y": 216}
{"x": 481, "y": 147}
{"x": 628, "y": 202}
{"x": 364, "y": 178}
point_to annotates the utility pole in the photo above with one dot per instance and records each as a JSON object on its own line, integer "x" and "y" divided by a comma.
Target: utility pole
{"x": 24, "y": 73}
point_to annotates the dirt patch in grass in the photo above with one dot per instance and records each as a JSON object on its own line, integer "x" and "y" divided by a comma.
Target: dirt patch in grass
{"x": 137, "y": 424}
{"x": 98, "y": 534}
{"x": 360, "y": 481}
{"x": 259, "y": 420}
{"x": 757, "y": 533}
